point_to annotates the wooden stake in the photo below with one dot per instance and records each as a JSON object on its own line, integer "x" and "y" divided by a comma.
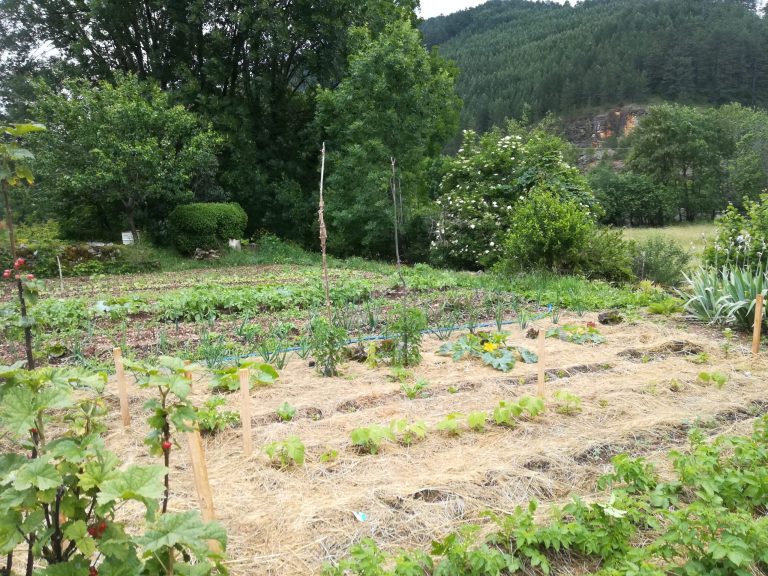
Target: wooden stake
{"x": 188, "y": 375}
{"x": 542, "y": 349}
{"x": 758, "y": 324}
{"x": 245, "y": 410}
{"x": 202, "y": 484}
{"x": 122, "y": 386}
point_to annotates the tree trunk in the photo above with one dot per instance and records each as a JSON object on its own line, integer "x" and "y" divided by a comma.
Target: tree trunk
{"x": 9, "y": 219}
{"x": 132, "y": 223}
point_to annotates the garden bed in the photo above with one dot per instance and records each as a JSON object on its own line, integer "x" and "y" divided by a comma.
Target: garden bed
{"x": 640, "y": 393}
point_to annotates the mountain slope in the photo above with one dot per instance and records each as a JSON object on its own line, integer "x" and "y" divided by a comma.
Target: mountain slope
{"x": 517, "y": 55}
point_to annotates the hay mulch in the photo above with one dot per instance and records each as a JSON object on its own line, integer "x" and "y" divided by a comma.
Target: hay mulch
{"x": 640, "y": 394}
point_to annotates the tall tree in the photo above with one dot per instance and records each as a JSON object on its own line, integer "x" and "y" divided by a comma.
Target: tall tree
{"x": 251, "y": 67}
{"x": 397, "y": 101}
{"x": 683, "y": 148}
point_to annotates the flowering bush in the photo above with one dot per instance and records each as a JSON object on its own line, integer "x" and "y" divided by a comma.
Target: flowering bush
{"x": 482, "y": 186}
{"x": 742, "y": 239}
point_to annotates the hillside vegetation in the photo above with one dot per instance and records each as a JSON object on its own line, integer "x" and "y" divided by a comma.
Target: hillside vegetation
{"x": 519, "y": 57}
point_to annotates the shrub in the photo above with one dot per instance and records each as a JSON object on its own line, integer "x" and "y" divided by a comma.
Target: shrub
{"x": 490, "y": 176}
{"x": 206, "y": 225}
{"x": 661, "y": 260}
{"x": 742, "y": 239}
{"x": 608, "y": 256}
{"x": 547, "y": 231}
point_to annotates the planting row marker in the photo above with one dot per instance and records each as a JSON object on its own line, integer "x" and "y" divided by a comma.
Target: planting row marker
{"x": 122, "y": 386}
{"x": 245, "y": 410}
{"x": 542, "y": 349}
{"x": 758, "y": 324}
{"x": 202, "y": 485}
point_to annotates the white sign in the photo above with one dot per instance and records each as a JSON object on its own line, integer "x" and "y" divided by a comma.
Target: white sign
{"x": 127, "y": 238}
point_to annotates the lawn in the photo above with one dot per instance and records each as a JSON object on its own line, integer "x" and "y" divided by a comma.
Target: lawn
{"x": 693, "y": 237}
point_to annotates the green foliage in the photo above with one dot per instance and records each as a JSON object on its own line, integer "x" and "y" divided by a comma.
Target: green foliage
{"x": 417, "y": 390}
{"x": 577, "y": 334}
{"x": 725, "y": 296}
{"x": 547, "y": 231}
{"x": 327, "y": 343}
{"x": 631, "y": 198}
{"x": 369, "y": 438}
{"x": 566, "y": 403}
{"x": 507, "y": 413}
{"x": 680, "y": 147}
{"x": 476, "y": 421}
{"x": 451, "y": 424}
{"x": 286, "y": 411}
{"x": 61, "y": 485}
{"x": 486, "y": 181}
{"x": 408, "y": 433}
{"x": 491, "y": 349}
{"x": 661, "y": 260}
{"x": 405, "y": 331}
{"x": 717, "y": 378}
{"x": 210, "y": 420}
{"x": 286, "y": 452}
{"x": 396, "y": 101}
{"x": 519, "y": 59}
{"x": 741, "y": 239}
{"x": 607, "y": 255}
{"x": 708, "y": 520}
{"x": 228, "y": 379}
{"x": 119, "y": 155}
{"x": 666, "y": 307}
{"x": 206, "y": 226}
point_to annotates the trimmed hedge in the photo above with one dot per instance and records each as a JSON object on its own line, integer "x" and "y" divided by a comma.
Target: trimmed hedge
{"x": 205, "y": 225}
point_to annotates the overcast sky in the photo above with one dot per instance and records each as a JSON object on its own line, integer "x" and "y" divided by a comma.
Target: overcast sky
{"x": 431, "y": 8}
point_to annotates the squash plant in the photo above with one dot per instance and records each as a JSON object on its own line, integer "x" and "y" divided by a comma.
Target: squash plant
{"x": 60, "y": 488}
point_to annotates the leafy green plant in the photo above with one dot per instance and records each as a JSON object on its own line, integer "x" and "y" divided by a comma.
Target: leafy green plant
{"x": 417, "y": 390}
{"x": 666, "y": 307}
{"x": 491, "y": 349}
{"x": 728, "y": 344}
{"x": 329, "y": 455}
{"x": 577, "y": 334}
{"x": 567, "y": 403}
{"x": 286, "y": 411}
{"x": 62, "y": 488}
{"x": 211, "y": 420}
{"x": 406, "y": 332}
{"x": 507, "y": 413}
{"x": 370, "y": 438}
{"x": 476, "y": 421}
{"x": 284, "y": 453}
{"x": 172, "y": 411}
{"x": 451, "y": 424}
{"x": 327, "y": 342}
{"x": 717, "y": 378}
{"x": 228, "y": 379}
{"x": 408, "y": 433}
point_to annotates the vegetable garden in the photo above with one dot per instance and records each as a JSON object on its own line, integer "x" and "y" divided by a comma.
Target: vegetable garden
{"x": 471, "y": 448}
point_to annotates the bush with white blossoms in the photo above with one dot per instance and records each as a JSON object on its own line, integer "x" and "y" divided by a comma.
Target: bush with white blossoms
{"x": 484, "y": 183}
{"x": 741, "y": 239}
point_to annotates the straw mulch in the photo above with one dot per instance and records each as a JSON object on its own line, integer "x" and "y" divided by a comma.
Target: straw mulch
{"x": 640, "y": 394}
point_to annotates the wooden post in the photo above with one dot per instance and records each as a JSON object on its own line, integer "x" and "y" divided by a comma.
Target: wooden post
{"x": 202, "y": 485}
{"x": 188, "y": 375}
{"x": 542, "y": 349}
{"x": 122, "y": 386}
{"x": 758, "y": 324}
{"x": 245, "y": 410}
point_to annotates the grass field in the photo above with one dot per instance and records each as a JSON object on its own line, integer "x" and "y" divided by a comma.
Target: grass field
{"x": 693, "y": 237}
